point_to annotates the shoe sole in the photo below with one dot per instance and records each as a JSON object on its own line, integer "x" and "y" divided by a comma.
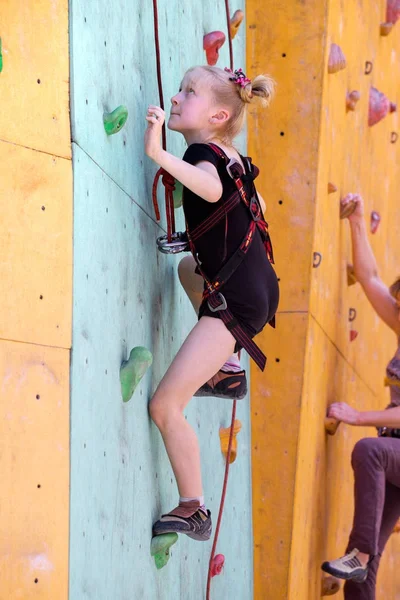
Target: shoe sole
{"x": 224, "y": 396}
{"x": 200, "y": 537}
{"x": 347, "y": 576}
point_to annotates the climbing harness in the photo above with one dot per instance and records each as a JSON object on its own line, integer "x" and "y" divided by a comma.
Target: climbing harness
{"x": 184, "y": 242}
{"x": 215, "y": 299}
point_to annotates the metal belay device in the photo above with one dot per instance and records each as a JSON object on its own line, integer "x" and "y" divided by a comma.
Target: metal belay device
{"x": 179, "y": 243}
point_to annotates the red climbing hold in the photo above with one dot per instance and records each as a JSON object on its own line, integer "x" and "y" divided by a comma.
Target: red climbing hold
{"x": 375, "y": 220}
{"x": 217, "y": 564}
{"x": 212, "y": 42}
{"x": 353, "y": 335}
{"x": 379, "y": 106}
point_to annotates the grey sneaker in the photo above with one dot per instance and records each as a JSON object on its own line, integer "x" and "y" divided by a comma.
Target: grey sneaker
{"x": 347, "y": 567}
{"x": 197, "y": 526}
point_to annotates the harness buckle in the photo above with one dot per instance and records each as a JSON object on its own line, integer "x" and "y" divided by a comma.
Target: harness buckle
{"x": 239, "y": 171}
{"x": 255, "y": 215}
{"x": 222, "y": 306}
{"x": 178, "y": 243}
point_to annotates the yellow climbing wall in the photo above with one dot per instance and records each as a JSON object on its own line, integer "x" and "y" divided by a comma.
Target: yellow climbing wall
{"x": 36, "y": 292}
{"x": 302, "y": 480}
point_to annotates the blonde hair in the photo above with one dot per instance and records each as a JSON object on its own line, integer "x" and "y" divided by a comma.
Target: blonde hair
{"x": 395, "y": 289}
{"x": 259, "y": 91}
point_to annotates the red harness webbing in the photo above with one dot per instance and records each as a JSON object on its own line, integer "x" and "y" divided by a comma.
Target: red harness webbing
{"x": 215, "y": 299}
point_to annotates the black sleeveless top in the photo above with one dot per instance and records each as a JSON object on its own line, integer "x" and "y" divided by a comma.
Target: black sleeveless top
{"x": 252, "y": 292}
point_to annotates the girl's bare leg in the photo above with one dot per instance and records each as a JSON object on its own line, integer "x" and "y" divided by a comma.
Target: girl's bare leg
{"x": 203, "y": 353}
{"x": 192, "y": 283}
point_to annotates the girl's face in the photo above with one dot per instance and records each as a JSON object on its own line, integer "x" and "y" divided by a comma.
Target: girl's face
{"x": 193, "y": 106}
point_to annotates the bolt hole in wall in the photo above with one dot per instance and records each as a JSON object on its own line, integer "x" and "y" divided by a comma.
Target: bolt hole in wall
{"x": 37, "y": 397}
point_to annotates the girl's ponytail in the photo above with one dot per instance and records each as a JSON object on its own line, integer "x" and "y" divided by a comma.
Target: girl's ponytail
{"x": 261, "y": 90}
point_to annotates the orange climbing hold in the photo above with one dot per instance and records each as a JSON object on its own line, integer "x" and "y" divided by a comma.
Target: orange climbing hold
{"x": 347, "y": 209}
{"x": 212, "y": 42}
{"x": 352, "y": 99}
{"x": 331, "y": 425}
{"x": 396, "y": 528}
{"x": 330, "y": 586}
{"x": 351, "y": 276}
{"x": 236, "y": 21}
{"x": 331, "y": 188}
{"x": 224, "y": 434}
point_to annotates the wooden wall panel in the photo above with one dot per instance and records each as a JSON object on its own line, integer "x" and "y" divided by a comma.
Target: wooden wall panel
{"x": 35, "y": 75}
{"x": 36, "y": 291}
{"x": 36, "y": 265}
{"x": 325, "y": 144}
{"x": 34, "y": 458}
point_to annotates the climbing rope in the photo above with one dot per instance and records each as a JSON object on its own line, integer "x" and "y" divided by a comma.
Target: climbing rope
{"x": 167, "y": 179}
{"x": 228, "y": 23}
{"x": 228, "y": 454}
{"x": 222, "y": 503}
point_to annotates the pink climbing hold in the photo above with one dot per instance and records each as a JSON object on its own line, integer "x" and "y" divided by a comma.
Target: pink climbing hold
{"x": 392, "y": 16}
{"x": 379, "y": 106}
{"x": 375, "y": 220}
{"x": 212, "y": 42}
{"x": 353, "y": 335}
{"x": 217, "y": 564}
{"x": 392, "y": 11}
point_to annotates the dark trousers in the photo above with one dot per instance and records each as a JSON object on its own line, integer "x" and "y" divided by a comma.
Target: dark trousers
{"x": 376, "y": 465}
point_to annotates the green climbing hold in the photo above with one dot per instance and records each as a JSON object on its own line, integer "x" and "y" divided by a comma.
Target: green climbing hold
{"x": 160, "y": 545}
{"x": 115, "y": 120}
{"x": 178, "y": 194}
{"x": 1, "y": 58}
{"x": 133, "y": 369}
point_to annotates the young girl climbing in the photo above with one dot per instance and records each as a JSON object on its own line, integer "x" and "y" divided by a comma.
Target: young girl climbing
{"x": 232, "y": 252}
{"x": 375, "y": 461}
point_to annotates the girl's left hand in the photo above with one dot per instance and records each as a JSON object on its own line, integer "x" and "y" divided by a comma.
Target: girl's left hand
{"x": 343, "y": 412}
{"x": 152, "y": 138}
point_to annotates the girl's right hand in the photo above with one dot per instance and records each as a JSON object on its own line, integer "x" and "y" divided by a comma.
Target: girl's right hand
{"x": 358, "y": 212}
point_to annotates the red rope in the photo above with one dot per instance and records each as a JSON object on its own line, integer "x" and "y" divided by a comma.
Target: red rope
{"x": 167, "y": 179}
{"x": 228, "y": 22}
{"x": 221, "y": 507}
{"x": 228, "y": 454}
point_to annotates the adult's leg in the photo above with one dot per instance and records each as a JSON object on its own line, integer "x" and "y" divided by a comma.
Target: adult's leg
{"x": 203, "y": 353}
{"x": 375, "y": 461}
{"x": 376, "y": 464}
{"x": 391, "y": 514}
